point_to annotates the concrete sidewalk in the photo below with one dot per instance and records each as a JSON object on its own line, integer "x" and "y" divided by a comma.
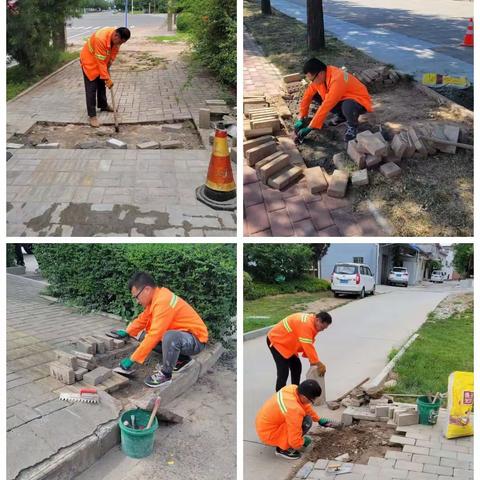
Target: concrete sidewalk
{"x": 408, "y": 54}
{"x": 356, "y": 346}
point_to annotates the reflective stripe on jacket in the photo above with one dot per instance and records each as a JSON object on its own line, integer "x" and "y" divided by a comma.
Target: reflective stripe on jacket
{"x": 279, "y": 421}
{"x": 339, "y": 85}
{"x": 97, "y": 53}
{"x": 166, "y": 312}
{"x": 295, "y": 333}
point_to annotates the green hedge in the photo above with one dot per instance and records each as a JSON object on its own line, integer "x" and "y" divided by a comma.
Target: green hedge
{"x": 255, "y": 289}
{"x": 95, "y": 276}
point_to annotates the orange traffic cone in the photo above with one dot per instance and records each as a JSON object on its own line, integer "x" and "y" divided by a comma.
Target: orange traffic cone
{"x": 468, "y": 38}
{"x": 219, "y": 191}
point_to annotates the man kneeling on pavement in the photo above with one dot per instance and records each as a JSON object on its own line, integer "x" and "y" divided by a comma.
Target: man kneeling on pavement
{"x": 169, "y": 326}
{"x": 338, "y": 92}
{"x": 287, "y": 416}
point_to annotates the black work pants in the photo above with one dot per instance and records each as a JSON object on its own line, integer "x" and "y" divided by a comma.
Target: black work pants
{"x": 291, "y": 365}
{"x": 350, "y": 109}
{"x": 96, "y": 95}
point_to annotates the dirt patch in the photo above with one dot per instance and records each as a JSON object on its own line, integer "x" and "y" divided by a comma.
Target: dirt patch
{"x": 361, "y": 441}
{"x": 85, "y": 137}
{"x": 325, "y": 304}
{"x": 139, "y": 62}
{"x": 462, "y": 96}
{"x": 453, "y": 304}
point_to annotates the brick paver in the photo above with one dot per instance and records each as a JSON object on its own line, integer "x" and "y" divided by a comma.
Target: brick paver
{"x": 110, "y": 192}
{"x": 439, "y": 462}
{"x": 258, "y": 73}
{"x": 37, "y": 421}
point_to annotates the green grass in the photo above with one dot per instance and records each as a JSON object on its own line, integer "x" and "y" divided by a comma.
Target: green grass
{"x": 275, "y": 308}
{"x": 178, "y": 37}
{"x": 18, "y": 79}
{"x": 443, "y": 346}
{"x": 283, "y": 40}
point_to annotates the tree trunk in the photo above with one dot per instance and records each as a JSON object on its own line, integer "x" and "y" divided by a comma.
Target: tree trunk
{"x": 59, "y": 38}
{"x": 315, "y": 27}
{"x": 266, "y": 7}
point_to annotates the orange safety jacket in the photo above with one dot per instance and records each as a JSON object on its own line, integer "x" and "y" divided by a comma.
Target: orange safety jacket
{"x": 279, "y": 421}
{"x": 294, "y": 334}
{"x": 167, "y": 311}
{"x": 339, "y": 85}
{"x": 97, "y": 53}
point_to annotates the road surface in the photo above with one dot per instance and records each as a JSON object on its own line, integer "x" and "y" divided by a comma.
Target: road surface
{"x": 354, "y": 347}
{"x": 416, "y": 37}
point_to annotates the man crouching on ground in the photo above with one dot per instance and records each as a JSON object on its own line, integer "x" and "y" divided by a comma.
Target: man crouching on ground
{"x": 170, "y": 326}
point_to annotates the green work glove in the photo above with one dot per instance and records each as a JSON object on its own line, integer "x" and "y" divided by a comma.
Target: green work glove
{"x": 307, "y": 441}
{"x": 304, "y": 132}
{"x": 121, "y": 333}
{"x": 126, "y": 364}
{"x": 299, "y": 124}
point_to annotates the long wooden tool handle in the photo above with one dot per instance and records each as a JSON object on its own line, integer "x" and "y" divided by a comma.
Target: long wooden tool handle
{"x": 154, "y": 412}
{"x": 339, "y": 399}
{"x": 114, "y": 109}
{"x": 446, "y": 142}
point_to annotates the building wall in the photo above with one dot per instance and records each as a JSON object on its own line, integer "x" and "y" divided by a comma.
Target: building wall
{"x": 343, "y": 252}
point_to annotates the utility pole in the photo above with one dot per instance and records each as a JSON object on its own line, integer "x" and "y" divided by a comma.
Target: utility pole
{"x": 126, "y": 13}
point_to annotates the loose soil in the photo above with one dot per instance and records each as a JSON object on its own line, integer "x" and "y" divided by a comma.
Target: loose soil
{"x": 138, "y": 62}
{"x": 453, "y": 304}
{"x": 86, "y": 137}
{"x": 324, "y": 304}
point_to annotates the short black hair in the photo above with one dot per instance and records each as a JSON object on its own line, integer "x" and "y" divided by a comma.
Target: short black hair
{"x": 124, "y": 33}
{"x": 140, "y": 280}
{"x": 314, "y": 66}
{"x": 310, "y": 389}
{"x": 324, "y": 317}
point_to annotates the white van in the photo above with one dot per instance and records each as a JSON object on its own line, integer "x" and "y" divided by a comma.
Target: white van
{"x": 353, "y": 278}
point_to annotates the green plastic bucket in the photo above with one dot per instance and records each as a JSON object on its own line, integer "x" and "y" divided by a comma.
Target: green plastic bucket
{"x": 137, "y": 443}
{"x": 428, "y": 411}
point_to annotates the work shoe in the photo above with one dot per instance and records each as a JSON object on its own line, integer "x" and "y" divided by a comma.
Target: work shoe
{"x": 108, "y": 108}
{"x": 289, "y": 454}
{"x": 181, "y": 364}
{"x": 158, "y": 379}
{"x": 94, "y": 122}
{"x": 350, "y": 133}
{"x": 335, "y": 120}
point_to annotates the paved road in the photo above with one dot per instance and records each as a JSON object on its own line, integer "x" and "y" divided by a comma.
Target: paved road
{"x": 90, "y": 22}
{"x": 354, "y": 347}
{"x": 416, "y": 37}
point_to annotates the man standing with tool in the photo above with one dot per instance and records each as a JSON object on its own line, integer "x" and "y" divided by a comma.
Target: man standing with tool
{"x": 96, "y": 57}
{"x": 287, "y": 416}
{"x": 170, "y": 326}
{"x": 339, "y": 92}
{"x": 292, "y": 335}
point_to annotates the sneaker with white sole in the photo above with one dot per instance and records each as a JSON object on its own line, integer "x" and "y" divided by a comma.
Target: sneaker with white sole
{"x": 158, "y": 379}
{"x": 289, "y": 454}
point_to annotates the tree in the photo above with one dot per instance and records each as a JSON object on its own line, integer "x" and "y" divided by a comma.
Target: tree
{"x": 315, "y": 25}
{"x": 319, "y": 251}
{"x": 266, "y": 7}
{"x": 463, "y": 258}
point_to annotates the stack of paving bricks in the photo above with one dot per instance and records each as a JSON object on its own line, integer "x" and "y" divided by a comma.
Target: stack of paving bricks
{"x": 260, "y": 117}
{"x": 81, "y": 365}
{"x": 376, "y": 79}
{"x": 294, "y": 83}
{"x": 273, "y": 166}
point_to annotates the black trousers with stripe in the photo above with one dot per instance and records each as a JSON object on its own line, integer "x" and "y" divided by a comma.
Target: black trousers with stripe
{"x": 96, "y": 95}
{"x": 291, "y": 365}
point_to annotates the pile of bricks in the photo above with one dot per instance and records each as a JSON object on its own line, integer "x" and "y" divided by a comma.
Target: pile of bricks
{"x": 260, "y": 117}
{"x": 377, "y": 78}
{"x": 294, "y": 83}
{"x": 81, "y": 364}
{"x": 273, "y": 166}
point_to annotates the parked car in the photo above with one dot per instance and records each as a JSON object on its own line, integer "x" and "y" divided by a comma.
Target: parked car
{"x": 398, "y": 276}
{"x": 437, "y": 276}
{"x": 352, "y": 278}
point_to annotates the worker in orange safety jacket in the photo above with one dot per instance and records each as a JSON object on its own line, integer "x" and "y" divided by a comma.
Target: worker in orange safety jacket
{"x": 96, "y": 57}
{"x": 287, "y": 416}
{"x": 293, "y": 335}
{"x": 170, "y": 326}
{"x": 338, "y": 92}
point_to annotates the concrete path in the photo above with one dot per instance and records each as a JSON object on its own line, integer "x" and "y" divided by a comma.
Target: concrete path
{"x": 181, "y": 450}
{"x": 356, "y": 346}
{"x": 416, "y": 37}
{"x": 37, "y": 422}
{"x": 110, "y": 193}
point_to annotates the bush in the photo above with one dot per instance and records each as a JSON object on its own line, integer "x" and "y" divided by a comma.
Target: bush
{"x": 185, "y": 21}
{"x": 306, "y": 284}
{"x": 266, "y": 261}
{"x": 95, "y": 276}
{"x": 248, "y": 286}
